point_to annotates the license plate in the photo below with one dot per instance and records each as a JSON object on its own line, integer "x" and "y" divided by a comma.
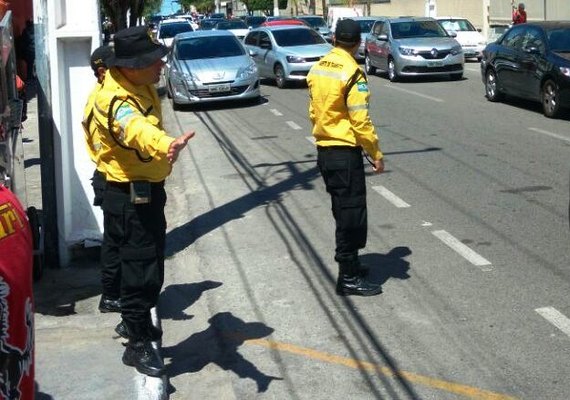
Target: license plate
{"x": 219, "y": 88}
{"x": 435, "y": 64}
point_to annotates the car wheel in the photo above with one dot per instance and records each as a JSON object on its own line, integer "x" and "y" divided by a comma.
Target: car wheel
{"x": 492, "y": 86}
{"x": 280, "y": 77}
{"x": 392, "y": 74}
{"x": 550, "y": 99}
{"x": 175, "y": 105}
{"x": 370, "y": 69}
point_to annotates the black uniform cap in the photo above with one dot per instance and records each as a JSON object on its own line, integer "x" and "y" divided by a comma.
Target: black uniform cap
{"x": 347, "y": 31}
{"x": 101, "y": 57}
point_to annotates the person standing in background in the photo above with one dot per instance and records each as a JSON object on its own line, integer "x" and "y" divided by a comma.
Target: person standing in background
{"x": 519, "y": 14}
{"x": 110, "y": 260}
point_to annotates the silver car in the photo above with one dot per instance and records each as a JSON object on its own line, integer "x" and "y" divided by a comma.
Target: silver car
{"x": 207, "y": 66}
{"x": 412, "y": 47}
{"x": 285, "y": 53}
{"x": 366, "y": 24}
{"x": 319, "y": 24}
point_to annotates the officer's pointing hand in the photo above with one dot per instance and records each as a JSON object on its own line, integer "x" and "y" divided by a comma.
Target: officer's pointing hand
{"x": 378, "y": 166}
{"x": 178, "y": 144}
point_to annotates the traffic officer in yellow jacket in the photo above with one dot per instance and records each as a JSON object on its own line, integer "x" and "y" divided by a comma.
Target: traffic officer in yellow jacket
{"x": 342, "y": 129}
{"x": 137, "y": 156}
{"x": 110, "y": 260}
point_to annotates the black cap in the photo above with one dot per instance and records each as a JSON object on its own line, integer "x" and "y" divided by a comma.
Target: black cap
{"x": 101, "y": 57}
{"x": 347, "y": 31}
{"x": 136, "y": 48}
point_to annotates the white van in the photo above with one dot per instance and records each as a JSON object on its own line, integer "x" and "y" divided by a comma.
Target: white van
{"x": 337, "y": 13}
{"x": 471, "y": 40}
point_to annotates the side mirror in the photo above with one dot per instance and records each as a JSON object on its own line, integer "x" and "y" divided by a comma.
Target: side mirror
{"x": 453, "y": 34}
{"x": 383, "y": 37}
{"x": 252, "y": 53}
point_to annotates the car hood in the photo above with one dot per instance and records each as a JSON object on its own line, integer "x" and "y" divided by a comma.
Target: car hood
{"x": 469, "y": 38}
{"x": 215, "y": 70}
{"x": 315, "y": 50}
{"x": 427, "y": 43}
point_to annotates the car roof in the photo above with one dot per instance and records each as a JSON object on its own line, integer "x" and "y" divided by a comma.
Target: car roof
{"x": 173, "y": 20}
{"x": 548, "y": 25}
{"x": 281, "y": 27}
{"x": 284, "y": 22}
{"x": 369, "y": 18}
{"x": 451, "y": 18}
{"x": 408, "y": 19}
{"x": 187, "y": 35}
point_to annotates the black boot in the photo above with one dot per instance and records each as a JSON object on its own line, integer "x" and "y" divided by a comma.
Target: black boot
{"x": 107, "y": 304}
{"x": 351, "y": 282}
{"x": 145, "y": 358}
{"x": 154, "y": 333}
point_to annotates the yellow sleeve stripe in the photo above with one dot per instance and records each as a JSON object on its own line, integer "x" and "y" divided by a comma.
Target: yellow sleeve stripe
{"x": 329, "y": 74}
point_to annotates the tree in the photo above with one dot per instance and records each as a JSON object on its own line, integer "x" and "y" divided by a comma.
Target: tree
{"x": 117, "y": 11}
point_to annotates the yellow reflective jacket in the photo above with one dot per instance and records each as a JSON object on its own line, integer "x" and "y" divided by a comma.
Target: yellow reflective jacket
{"x": 338, "y": 106}
{"x": 133, "y": 144}
{"x": 91, "y": 134}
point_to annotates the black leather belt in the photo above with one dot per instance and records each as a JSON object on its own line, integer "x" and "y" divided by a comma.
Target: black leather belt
{"x": 329, "y": 148}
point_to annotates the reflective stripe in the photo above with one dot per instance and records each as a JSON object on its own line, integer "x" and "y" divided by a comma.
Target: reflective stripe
{"x": 330, "y": 74}
{"x": 358, "y": 107}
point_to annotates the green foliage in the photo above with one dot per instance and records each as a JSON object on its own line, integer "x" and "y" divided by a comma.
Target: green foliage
{"x": 151, "y": 7}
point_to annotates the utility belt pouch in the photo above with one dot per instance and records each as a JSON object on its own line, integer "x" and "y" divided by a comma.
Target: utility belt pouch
{"x": 140, "y": 192}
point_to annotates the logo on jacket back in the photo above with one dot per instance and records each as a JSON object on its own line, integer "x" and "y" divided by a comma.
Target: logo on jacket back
{"x": 10, "y": 220}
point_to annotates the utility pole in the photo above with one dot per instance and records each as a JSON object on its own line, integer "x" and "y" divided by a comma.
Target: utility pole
{"x": 276, "y": 8}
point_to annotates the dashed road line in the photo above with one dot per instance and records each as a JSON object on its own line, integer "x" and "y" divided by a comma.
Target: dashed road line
{"x": 556, "y": 318}
{"x": 310, "y": 139}
{"x": 551, "y": 134}
{"x": 434, "y": 383}
{"x": 275, "y": 112}
{"x": 391, "y": 197}
{"x": 425, "y": 96}
{"x": 293, "y": 125}
{"x": 463, "y": 250}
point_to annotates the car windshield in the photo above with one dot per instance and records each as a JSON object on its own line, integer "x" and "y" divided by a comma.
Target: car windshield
{"x": 170, "y": 30}
{"x": 231, "y": 25}
{"x": 366, "y": 25}
{"x": 208, "y": 47}
{"x": 457, "y": 25}
{"x": 559, "y": 39}
{"x": 297, "y": 37}
{"x": 412, "y": 29}
{"x": 315, "y": 22}
{"x": 208, "y": 24}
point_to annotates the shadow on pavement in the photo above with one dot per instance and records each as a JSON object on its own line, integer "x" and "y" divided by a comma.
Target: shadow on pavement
{"x": 389, "y": 265}
{"x": 176, "y": 298}
{"x": 219, "y": 344}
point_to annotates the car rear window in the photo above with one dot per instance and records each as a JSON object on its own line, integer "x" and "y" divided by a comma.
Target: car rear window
{"x": 231, "y": 25}
{"x": 208, "y": 47}
{"x": 412, "y": 29}
{"x": 297, "y": 37}
{"x": 170, "y": 30}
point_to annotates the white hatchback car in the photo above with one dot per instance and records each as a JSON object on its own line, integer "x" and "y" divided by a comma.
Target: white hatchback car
{"x": 470, "y": 39}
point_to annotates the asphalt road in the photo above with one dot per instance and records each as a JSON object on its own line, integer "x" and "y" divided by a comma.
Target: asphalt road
{"x": 468, "y": 235}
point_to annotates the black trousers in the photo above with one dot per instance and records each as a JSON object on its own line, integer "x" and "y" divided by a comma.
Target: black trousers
{"x": 110, "y": 259}
{"x": 139, "y": 232}
{"x": 342, "y": 170}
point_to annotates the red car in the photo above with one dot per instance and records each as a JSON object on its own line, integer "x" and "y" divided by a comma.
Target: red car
{"x": 288, "y": 21}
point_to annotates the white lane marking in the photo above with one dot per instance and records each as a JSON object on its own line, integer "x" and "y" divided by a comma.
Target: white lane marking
{"x": 556, "y": 318}
{"x": 460, "y": 248}
{"x": 151, "y": 388}
{"x": 276, "y": 112}
{"x": 310, "y": 139}
{"x": 391, "y": 197}
{"x": 293, "y": 125}
{"x": 554, "y": 135}
{"x": 425, "y": 96}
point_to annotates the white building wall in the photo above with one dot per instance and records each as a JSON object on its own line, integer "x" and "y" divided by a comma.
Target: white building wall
{"x": 70, "y": 34}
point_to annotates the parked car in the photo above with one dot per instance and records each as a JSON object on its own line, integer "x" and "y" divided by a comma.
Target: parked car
{"x": 470, "y": 39}
{"x": 319, "y": 24}
{"x": 208, "y": 66}
{"x": 366, "y": 24}
{"x": 235, "y": 26}
{"x": 169, "y": 28}
{"x": 209, "y": 23}
{"x": 530, "y": 61}
{"x": 409, "y": 46}
{"x": 496, "y": 31}
{"x": 285, "y": 53}
{"x": 254, "y": 21}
